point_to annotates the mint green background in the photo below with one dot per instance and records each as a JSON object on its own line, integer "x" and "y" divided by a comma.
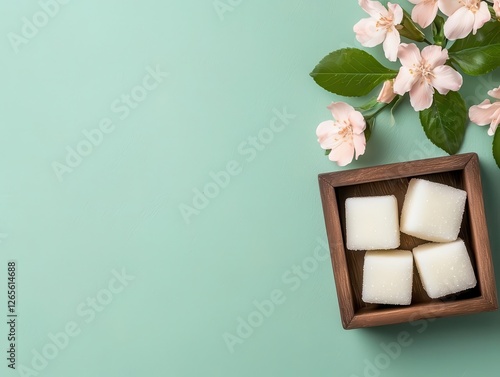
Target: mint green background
{"x": 120, "y": 208}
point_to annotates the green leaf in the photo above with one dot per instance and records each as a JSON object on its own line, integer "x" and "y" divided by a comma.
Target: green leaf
{"x": 478, "y": 54}
{"x": 496, "y": 147}
{"x": 327, "y": 152}
{"x": 444, "y": 122}
{"x": 350, "y": 72}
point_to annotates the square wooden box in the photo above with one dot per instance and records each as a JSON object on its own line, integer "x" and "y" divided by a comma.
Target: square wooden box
{"x": 461, "y": 171}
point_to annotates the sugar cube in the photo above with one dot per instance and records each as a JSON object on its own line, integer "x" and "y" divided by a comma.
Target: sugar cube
{"x": 372, "y": 223}
{"x": 444, "y": 268}
{"x": 432, "y": 211}
{"x": 388, "y": 277}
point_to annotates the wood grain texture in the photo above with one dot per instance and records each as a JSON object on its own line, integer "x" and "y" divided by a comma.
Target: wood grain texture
{"x": 460, "y": 171}
{"x": 479, "y": 233}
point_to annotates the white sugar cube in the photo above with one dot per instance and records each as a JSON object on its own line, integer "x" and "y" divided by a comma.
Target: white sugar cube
{"x": 372, "y": 223}
{"x": 444, "y": 268}
{"x": 388, "y": 277}
{"x": 432, "y": 211}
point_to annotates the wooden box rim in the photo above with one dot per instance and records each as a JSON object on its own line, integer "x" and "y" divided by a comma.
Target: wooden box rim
{"x": 469, "y": 164}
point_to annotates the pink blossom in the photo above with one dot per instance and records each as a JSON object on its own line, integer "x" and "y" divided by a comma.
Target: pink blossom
{"x": 422, "y": 72}
{"x": 424, "y": 12}
{"x": 496, "y": 7}
{"x": 487, "y": 112}
{"x": 464, "y": 17}
{"x": 387, "y": 94}
{"x": 380, "y": 27}
{"x": 344, "y": 135}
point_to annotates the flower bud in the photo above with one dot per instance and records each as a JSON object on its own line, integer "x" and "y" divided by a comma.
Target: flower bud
{"x": 409, "y": 29}
{"x": 387, "y": 94}
{"x": 438, "y": 32}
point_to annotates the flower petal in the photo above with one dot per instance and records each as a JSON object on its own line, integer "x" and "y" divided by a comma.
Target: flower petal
{"x": 434, "y": 55}
{"x": 373, "y": 8}
{"x": 404, "y": 81}
{"x": 494, "y": 122}
{"x": 496, "y": 7}
{"x": 448, "y": 7}
{"x": 421, "y": 95}
{"x": 359, "y": 145}
{"x": 446, "y": 79}
{"x": 495, "y": 93}
{"x": 391, "y": 44}
{"x": 340, "y": 111}
{"x": 481, "y": 17}
{"x": 342, "y": 154}
{"x": 367, "y": 32}
{"x": 424, "y": 12}
{"x": 397, "y": 13}
{"x": 482, "y": 114}
{"x": 459, "y": 24}
{"x": 409, "y": 54}
{"x": 326, "y": 134}
{"x": 357, "y": 122}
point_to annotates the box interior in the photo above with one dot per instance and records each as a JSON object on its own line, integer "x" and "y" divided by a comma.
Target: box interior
{"x": 398, "y": 188}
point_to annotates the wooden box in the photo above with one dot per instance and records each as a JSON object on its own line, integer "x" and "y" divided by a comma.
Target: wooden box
{"x": 461, "y": 171}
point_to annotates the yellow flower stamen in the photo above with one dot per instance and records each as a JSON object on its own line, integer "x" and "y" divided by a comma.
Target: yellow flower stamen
{"x": 345, "y": 135}
{"x": 472, "y": 5}
{"x": 424, "y": 70}
{"x": 385, "y": 22}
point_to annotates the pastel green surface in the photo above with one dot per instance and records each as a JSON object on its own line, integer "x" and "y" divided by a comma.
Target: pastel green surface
{"x": 185, "y": 282}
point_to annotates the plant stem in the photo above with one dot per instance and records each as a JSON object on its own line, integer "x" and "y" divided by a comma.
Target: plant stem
{"x": 373, "y": 112}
